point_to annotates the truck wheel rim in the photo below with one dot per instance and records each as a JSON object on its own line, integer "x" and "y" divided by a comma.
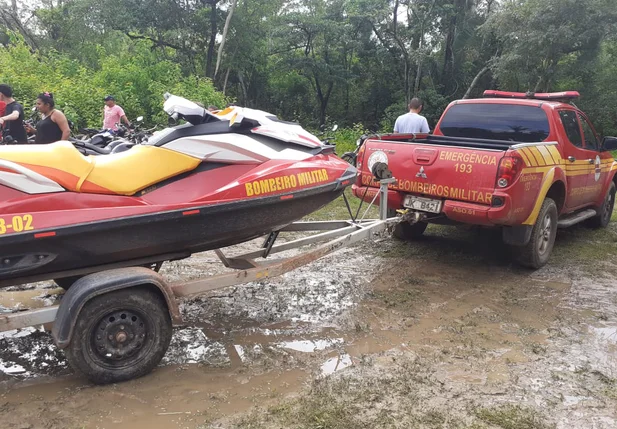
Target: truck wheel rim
{"x": 545, "y": 234}
{"x": 119, "y": 339}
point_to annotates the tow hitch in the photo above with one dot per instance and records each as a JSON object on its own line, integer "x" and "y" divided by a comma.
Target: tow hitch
{"x": 411, "y": 216}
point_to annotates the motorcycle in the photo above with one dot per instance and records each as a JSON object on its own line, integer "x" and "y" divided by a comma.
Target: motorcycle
{"x": 105, "y": 142}
{"x": 352, "y": 157}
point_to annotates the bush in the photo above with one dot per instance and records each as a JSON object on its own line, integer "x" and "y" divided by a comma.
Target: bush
{"x": 135, "y": 77}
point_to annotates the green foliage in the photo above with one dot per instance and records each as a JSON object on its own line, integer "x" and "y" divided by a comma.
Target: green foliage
{"x": 313, "y": 61}
{"x": 346, "y": 138}
{"x": 134, "y": 76}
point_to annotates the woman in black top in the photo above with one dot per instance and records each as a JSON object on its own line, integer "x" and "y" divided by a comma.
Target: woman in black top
{"x": 53, "y": 126}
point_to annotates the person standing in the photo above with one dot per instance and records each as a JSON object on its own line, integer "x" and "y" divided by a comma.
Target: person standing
{"x": 53, "y": 125}
{"x": 412, "y": 122}
{"x": 13, "y": 119}
{"x": 113, "y": 114}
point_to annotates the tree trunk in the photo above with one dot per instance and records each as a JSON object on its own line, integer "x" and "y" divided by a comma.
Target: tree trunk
{"x": 537, "y": 87}
{"x": 458, "y": 18}
{"x": 226, "y": 79}
{"x": 448, "y": 60}
{"x": 475, "y": 81}
{"x": 210, "y": 54}
{"x": 244, "y": 90}
{"x": 395, "y": 17}
{"x": 225, "y": 29}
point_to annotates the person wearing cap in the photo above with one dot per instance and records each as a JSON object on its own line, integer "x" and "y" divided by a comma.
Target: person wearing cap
{"x": 113, "y": 114}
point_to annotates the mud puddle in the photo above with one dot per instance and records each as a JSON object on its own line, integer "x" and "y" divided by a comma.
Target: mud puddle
{"x": 428, "y": 339}
{"x": 241, "y": 346}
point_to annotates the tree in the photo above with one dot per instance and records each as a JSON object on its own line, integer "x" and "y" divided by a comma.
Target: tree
{"x": 536, "y": 35}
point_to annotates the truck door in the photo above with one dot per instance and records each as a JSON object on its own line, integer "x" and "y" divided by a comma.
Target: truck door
{"x": 578, "y": 167}
{"x": 596, "y": 178}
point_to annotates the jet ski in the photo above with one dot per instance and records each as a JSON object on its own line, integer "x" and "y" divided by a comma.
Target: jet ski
{"x": 217, "y": 180}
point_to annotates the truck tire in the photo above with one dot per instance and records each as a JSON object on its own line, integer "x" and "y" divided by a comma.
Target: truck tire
{"x": 407, "y": 231}
{"x": 536, "y": 253}
{"x": 605, "y": 211}
{"x": 120, "y": 335}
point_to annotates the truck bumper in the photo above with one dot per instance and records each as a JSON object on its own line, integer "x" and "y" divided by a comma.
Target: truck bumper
{"x": 458, "y": 211}
{"x": 367, "y": 193}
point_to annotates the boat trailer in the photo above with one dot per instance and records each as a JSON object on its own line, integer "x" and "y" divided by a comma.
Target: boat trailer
{"x": 116, "y": 324}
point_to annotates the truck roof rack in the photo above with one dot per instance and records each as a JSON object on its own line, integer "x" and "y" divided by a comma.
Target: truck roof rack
{"x": 564, "y": 96}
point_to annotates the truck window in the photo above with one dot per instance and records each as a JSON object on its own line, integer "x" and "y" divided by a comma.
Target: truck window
{"x": 591, "y": 142}
{"x": 570, "y": 124}
{"x": 509, "y": 122}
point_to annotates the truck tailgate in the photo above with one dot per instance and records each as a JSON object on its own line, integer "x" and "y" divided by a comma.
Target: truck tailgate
{"x": 446, "y": 172}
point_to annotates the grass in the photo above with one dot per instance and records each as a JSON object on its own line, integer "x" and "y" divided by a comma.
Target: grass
{"x": 337, "y": 210}
{"x": 513, "y": 417}
{"x": 585, "y": 246}
{"x": 397, "y": 396}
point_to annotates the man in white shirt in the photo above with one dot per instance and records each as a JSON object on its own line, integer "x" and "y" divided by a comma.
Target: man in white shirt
{"x": 412, "y": 122}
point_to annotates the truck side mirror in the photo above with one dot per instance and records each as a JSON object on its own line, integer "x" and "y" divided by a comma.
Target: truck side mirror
{"x": 609, "y": 143}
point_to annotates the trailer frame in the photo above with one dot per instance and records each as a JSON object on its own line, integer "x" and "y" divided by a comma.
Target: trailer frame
{"x": 339, "y": 233}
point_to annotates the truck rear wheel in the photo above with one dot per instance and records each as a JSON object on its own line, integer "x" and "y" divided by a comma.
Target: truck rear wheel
{"x": 120, "y": 335}
{"x": 408, "y": 231}
{"x": 536, "y": 253}
{"x": 602, "y": 219}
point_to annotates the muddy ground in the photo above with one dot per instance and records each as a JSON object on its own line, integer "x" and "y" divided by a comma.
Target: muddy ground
{"x": 442, "y": 333}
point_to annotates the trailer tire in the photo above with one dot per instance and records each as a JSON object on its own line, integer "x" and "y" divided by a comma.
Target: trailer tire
{"x": 537, "y": 252}
{"x": 120, "y": 335}
{"x": 407, "y": 231}
{"x": 602, "y": 219}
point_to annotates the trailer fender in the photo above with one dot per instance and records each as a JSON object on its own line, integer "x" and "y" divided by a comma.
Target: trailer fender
{"x": 103, "y": 282}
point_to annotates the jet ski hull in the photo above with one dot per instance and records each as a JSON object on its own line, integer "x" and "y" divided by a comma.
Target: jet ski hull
{"x": 152, "y": 237}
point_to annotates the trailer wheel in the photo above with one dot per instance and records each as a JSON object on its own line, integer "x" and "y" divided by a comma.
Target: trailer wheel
{"x": 605, "y": 211}
{"x": 536, "y": 253}
{"x": 120, "y": 335}
{"x": 408, "y": 231}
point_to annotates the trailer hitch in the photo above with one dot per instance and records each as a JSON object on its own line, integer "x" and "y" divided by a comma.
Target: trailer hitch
{"x": 411, "y": 216}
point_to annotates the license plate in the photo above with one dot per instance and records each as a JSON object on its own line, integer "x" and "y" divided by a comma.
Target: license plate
{"x": 423, "y": 204}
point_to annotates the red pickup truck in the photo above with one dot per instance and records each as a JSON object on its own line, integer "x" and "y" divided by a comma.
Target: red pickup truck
{"x": 527, "y": 163}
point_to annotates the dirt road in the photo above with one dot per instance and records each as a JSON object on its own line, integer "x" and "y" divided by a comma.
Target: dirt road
{"x": 441, "y": 333}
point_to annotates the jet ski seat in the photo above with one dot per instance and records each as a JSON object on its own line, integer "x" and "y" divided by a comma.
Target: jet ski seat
{"x": 123, "y": 173}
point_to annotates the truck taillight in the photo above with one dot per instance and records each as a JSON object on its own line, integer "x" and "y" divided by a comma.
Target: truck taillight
{"x": 360, "y": 159}
{"x": 509, "y": 169}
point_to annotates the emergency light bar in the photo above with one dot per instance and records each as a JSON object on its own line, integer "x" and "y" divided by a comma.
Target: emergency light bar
{"x": 551, "y": 96}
